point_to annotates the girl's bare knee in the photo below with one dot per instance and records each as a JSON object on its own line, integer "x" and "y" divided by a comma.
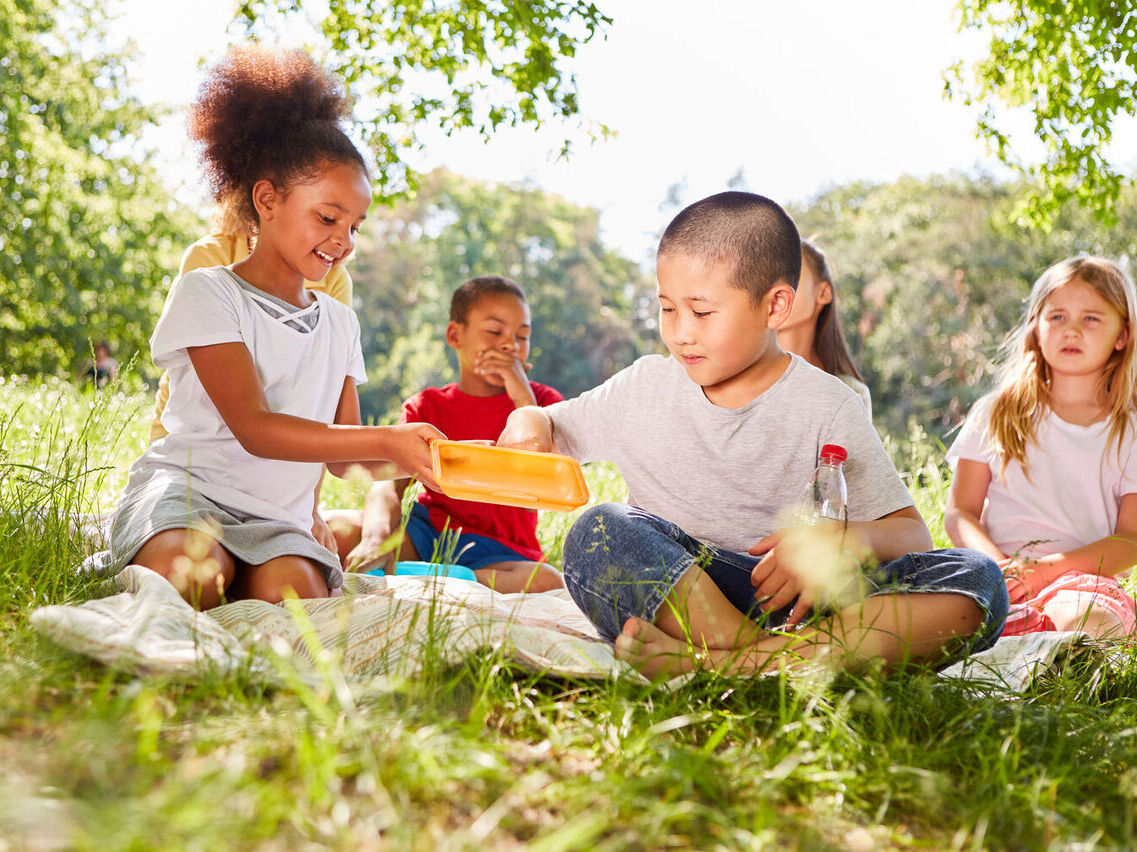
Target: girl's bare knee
{"x": 195, "y": 564}
{"x": 286, "y": 575}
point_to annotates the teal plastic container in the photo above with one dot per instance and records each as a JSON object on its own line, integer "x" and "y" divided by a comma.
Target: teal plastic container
{"x": 429, "y": 569}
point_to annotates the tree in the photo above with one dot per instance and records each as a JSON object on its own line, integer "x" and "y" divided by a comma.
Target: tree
{"x": 932, "y": 274}
{"x": 457, "y": 64}
{"x": 590, "y": 306}
{"x": 88, "y": 235}
{"x": 1073, "y": 67}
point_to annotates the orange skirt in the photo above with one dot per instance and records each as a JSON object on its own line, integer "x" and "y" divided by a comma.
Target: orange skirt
{"x": 1106, "y": 593}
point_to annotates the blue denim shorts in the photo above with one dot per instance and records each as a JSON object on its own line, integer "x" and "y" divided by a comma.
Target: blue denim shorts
{"x": 620, "y": 562}
{"x": 473, "y": 550}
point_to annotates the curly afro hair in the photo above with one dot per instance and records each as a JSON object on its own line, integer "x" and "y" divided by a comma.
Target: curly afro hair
{"x": 264, "y": 114}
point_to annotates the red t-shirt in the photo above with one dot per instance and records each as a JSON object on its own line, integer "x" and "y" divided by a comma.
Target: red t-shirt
{"x": 462, "y": 417}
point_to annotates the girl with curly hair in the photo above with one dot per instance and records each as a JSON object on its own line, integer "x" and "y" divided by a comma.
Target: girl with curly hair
{"x": 262, "y": 370}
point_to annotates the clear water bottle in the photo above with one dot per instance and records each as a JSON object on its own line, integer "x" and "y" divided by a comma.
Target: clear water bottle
{"x": 826, "y": 497}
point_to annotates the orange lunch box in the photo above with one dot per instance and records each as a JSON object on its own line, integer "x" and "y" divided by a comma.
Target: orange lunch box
{"x": 475, "y": 470}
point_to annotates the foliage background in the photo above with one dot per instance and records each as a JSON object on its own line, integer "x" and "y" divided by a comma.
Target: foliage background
{"x": 932, "y": 275}
{"x": 89, "y": 236}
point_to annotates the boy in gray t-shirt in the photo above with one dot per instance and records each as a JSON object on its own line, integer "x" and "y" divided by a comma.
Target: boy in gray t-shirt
{"x": 716, "y": 442}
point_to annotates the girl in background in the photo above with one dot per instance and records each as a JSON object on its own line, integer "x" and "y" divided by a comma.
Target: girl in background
{"x": 813, "y": 329}
{"x": 1045, "y": 467}
{"x": 262, "y": 371}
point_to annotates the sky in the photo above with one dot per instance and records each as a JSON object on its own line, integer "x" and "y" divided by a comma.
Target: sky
{"x": 798, "y": 96}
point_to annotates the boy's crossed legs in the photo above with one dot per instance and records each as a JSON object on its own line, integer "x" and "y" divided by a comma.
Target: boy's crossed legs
{"x": 627, "y": 569}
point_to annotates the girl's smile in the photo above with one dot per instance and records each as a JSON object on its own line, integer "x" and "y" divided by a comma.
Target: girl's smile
{"x": 306, "y": 229}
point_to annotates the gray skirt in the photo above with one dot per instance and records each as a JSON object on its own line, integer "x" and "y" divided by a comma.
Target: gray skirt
{"x": 166, "y": 503}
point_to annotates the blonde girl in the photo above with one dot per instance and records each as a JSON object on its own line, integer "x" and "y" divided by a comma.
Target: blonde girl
{"x": 1046, "y": 467}
{"x": 813, "y": 329}
{"x": 262, "y": 371}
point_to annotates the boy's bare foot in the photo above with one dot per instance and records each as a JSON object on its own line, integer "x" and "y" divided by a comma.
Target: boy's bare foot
{"x": 651, "y": 651}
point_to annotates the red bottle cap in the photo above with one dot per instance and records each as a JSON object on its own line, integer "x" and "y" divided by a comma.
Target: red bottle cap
{"x": 833, "y": 453}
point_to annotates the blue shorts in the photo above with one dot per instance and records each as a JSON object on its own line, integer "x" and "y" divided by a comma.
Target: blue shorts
{"x": 621, "y": 561}
{"x": 473, "y": 550}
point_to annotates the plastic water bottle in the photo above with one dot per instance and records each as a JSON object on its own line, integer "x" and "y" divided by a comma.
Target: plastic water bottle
{"x": 826, "y": 497}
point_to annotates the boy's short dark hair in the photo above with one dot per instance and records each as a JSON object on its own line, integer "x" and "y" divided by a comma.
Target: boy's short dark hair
{"x": 466, "y": 296}
{"x": 751, "y": 233}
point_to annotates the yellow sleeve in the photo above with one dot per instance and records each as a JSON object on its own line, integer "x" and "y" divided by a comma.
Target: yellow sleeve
{"x": 214, "y": 250}
{"x": 337, "y": 284}
{"x": 157, "y": 430}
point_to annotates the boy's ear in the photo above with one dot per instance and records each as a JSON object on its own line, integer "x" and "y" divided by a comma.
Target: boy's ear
{"x": 780, "y": 301}
{"x": 265, "y": 198}
{"x": 454, "y": 334}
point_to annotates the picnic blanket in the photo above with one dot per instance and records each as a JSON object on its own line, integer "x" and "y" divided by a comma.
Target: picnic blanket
{"x": 381, "y": 626}
{"x": 388, "y": 626}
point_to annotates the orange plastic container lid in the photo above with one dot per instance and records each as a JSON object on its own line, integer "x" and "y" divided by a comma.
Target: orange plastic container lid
{"x": 487, "y": 474}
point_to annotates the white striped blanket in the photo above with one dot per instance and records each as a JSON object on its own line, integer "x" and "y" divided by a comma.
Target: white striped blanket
{"x": 386, "y": 626}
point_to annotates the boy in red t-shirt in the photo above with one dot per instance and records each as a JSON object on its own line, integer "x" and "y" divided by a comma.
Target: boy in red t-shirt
{"x": 489, "y": 330}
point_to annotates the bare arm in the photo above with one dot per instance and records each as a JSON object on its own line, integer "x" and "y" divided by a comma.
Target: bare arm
{"x": 890, "y": 536}
{"x": 528, "y": 428}
{"x": 382, "y": 517}
{"x": 229, "y": 376}
{"x": 965, "y": 507}
{"x": 511, "y": 370}
{"x": 1107, "y": 556}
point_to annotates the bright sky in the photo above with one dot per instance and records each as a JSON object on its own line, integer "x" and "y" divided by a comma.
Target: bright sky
{"x": 797, "y": 95}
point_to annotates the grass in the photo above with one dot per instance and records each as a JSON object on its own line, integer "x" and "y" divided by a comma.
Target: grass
{"x": 483, "y": 756}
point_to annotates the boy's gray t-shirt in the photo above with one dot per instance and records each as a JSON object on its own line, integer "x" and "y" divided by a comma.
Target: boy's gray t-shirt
{"x": 727, "y": 476}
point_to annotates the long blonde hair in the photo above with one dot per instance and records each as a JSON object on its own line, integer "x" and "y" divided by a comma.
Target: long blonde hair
{"x": 1024, "y": 379}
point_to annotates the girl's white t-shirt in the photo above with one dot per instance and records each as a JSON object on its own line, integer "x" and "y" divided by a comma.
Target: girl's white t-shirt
{"x": 1076, "y": 483}
{"x": 302, "y": 372}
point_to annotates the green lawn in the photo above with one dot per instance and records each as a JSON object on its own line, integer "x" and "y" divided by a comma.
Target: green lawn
{"x": 482, "y": 756}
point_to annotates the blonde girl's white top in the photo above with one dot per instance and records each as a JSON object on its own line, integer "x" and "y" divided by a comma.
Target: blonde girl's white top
{"x": 302, "y": 356}
{"x": 1071, "y": 498}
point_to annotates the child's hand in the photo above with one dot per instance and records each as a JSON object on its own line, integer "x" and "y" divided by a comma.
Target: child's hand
{"x": 527, "y": 429}
{"x": 510, "y": 371}
{"x": 409, "y": 448}
{"x": 817, "y": 564}
{"x": 322, "y": 532}
{"x": 776, "y": 582}
{"x": 1025, "y": 578}
{"x": 373, "y": 551}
